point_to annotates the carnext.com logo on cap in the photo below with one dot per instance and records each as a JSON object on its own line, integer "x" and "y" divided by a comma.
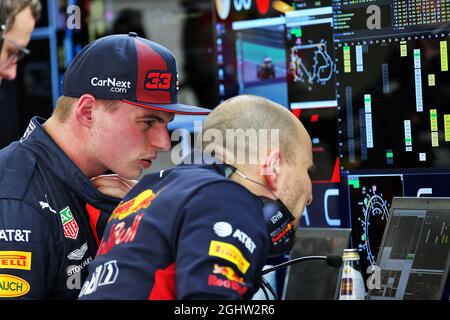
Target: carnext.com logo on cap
{"x": 116, "y": 85}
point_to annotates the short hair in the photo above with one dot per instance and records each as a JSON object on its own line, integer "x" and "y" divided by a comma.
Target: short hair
{"x": 64, "y": 107}
{"x": 13, "y": 7}
{"x": 246, "y": 112}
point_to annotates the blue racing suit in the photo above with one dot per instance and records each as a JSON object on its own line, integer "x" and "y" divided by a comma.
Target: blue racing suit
{"x": 186, "y": 233}
{"x": 51, "y": 219}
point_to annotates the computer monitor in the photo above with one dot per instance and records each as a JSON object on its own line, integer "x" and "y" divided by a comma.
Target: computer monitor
{"x": 414, "y": 255}
{"x": 315, "y": 280}
{"x": 284, "y": 51}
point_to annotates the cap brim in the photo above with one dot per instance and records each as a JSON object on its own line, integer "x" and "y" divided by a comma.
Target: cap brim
{"x": 177, "y": 108}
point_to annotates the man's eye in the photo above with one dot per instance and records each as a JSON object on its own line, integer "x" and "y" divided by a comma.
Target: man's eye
{"x": 150, "y": 123}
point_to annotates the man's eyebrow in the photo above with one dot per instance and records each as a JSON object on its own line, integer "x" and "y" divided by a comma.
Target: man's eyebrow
{"x": 155, "y": 117}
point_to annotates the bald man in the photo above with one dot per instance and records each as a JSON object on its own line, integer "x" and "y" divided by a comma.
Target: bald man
{"x": 205, "y": 230}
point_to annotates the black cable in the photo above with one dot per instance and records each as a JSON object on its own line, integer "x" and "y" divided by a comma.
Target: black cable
{"x": 269, "y": 287}
{"x": 262, "y": 286}
{"x": 288, "y": 263}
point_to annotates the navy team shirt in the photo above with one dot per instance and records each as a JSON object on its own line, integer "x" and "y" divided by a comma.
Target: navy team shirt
{"x": 51, "y": 219}
{"x": 187, "y": 233}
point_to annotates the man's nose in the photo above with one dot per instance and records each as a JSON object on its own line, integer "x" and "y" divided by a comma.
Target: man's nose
{"x": 160, "y": 138}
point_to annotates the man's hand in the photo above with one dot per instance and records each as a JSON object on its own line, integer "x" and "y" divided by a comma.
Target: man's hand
{"x": 113, "y": 185}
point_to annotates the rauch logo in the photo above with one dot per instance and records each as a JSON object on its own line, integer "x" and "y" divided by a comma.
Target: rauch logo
{"x": 12, "y": 286}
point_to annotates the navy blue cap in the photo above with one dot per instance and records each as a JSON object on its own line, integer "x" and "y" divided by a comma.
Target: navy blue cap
{"x": 128, "y": 68}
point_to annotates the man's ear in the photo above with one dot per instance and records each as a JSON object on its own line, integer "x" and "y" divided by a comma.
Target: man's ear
{"x": 270, "y": 169}
{"x": 83, "y": 109}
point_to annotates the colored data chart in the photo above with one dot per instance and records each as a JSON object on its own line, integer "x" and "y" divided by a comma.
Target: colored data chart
{"x": 374, "y": 206}
{"x": 370, "y": 200}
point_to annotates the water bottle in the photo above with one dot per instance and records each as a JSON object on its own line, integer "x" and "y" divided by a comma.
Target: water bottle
{"x": 352, "y": 282}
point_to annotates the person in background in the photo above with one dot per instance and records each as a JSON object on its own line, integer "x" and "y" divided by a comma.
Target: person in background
{"x": 119, "y": 93}
{"x": 129, "y": 20}
{"x": 204, "y": 229}
{"x": 17, "y": 21}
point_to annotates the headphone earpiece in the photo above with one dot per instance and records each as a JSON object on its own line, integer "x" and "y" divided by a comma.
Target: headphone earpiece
{"x": 277, "y": 217}
{"x": 276, "y": 170}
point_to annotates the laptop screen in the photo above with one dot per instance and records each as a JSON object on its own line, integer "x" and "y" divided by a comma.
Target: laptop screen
{"x": 315, "y": 280}
{"x": 414, "y": 255}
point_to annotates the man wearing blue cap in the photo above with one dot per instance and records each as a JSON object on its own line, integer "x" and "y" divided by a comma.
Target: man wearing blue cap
{"x": 119, "y": 94}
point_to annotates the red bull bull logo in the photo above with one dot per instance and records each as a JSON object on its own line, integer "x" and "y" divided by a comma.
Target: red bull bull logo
{"x": 142, "y": 201}
{"x": 228, "y": 273}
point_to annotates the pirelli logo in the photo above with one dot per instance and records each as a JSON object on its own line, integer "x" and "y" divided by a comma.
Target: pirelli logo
{"x": 230, "y": 253}
{"x": 19, "y": 260}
